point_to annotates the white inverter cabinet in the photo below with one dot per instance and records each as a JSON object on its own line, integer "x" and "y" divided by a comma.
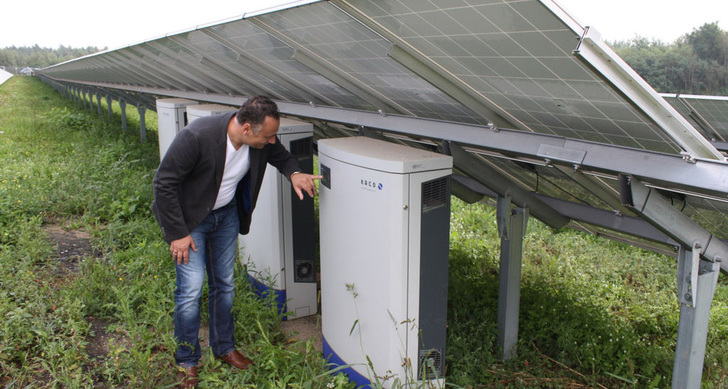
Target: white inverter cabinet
{"x": 279, "y": 251}
{"x": 171, "y": 119}
{"x": 384, "y": 213}
{"x": 194, "y": 112}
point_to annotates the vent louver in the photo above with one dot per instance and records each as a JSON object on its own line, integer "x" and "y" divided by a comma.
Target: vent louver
{"x": 431, "y": 365}
{"x": 435, "y": 193}
{"x": 301, "y": 147}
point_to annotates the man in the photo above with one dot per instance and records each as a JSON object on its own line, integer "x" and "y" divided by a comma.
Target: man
{"x": 205, "y": 190}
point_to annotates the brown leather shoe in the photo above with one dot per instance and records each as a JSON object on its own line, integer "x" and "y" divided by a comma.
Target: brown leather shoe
{"x": 186, "y": 377}
{"x": 236, "y": 359}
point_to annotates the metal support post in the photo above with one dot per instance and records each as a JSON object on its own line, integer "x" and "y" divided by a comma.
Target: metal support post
{"x": 98, "y": 103}
{"x": 122, "y": 105}
{"x": 696, "y": 280}
{"x": 142, "y": 123}
{"x": 109, "y": 100}
{"x": 512, "y": 225}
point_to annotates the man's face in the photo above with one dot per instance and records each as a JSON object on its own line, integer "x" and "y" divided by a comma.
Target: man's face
{"x": 267, "y": 133}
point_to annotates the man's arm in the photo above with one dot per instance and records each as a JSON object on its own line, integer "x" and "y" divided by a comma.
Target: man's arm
{"x": 289, "y": 166}
{"x": 177, "y": 163}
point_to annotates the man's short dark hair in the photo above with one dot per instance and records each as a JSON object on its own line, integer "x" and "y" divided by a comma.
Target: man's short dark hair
{"x": 255, "y": 109}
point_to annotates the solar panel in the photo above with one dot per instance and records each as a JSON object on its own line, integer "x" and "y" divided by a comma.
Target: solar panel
{"x": 244, "y": 48}
{"x": 323, "y": 35}
{"x": 519, "y": 56}
{"x": 709, "y": 114}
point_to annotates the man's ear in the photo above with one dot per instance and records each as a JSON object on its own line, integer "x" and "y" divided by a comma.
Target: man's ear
{"x": 247, "y": 129}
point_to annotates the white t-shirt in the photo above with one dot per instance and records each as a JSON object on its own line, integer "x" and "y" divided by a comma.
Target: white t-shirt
{"x": 237, "y": 164}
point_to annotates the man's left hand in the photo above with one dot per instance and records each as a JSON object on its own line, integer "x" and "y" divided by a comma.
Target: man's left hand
{"x": 303, "y": 182}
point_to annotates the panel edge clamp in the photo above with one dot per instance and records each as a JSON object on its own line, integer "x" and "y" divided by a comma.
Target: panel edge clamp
{"x": 560, "y": 153}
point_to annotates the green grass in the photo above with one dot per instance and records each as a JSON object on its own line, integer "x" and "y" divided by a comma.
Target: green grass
{"x": 66, "y": 166}
{"x": 594, "y": 313}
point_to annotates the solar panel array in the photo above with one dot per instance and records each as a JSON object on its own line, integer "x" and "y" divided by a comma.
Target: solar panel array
{"x": 487, "y": 64}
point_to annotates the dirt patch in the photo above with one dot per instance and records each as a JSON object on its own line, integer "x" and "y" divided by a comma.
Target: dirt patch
{"x": 303, "y": 329}
{"x": 71, "y": 247}
{"x": 204, "y": 335}
{"x": 98, "y": 337}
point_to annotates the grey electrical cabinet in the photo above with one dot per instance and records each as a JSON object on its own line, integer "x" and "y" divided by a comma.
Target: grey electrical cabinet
{"x": 279, "y": 251}
{"x": 171, "y": 119}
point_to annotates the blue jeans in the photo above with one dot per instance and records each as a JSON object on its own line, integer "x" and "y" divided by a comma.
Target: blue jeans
{"x": 216, "y": 239}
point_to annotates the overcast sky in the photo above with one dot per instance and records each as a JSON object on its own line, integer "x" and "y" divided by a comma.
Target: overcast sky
{"x": 81, "y": 23}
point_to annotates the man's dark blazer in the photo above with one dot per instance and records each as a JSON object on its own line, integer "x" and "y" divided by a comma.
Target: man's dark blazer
{"x": 189, "y": 176}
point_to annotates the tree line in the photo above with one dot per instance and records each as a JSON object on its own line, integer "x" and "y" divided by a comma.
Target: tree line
{"x": 696, "y": 63}
{"x": 16, "y": 58}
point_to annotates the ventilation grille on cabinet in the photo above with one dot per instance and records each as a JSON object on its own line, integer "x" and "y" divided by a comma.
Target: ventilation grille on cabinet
{"x": 435, "y": 193}
{"x": 305, "y": 271}
{"x": 431, "y": 364}
{"x": 301, "y": 147}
